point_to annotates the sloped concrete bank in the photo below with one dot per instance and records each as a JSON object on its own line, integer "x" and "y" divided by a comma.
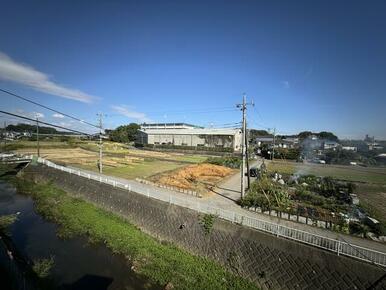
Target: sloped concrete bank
{"x": 271, "y": 262}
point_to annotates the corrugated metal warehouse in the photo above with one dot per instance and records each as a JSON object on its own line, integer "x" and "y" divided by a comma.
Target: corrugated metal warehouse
{"x": 192, "y": 137}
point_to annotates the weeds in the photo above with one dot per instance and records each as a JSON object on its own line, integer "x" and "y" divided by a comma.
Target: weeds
{"x": 42, "y": 267}
{"x": 6, "y": 221}
{"x": 207, "y": 222}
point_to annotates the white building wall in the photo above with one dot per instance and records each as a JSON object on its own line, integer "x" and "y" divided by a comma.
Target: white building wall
{"x": 201, "y": 139}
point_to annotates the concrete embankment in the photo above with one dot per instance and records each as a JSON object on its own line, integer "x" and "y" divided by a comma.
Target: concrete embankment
{"x": 271, "y": 262}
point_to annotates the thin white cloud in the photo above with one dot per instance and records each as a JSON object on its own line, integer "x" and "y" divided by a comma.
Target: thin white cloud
{"x": 131, "y": 114}
{"x": 286, "y": 84}
{"x": 39, "y": 115}
{"x": 59, "y": 116}
{"x": 32, "y": 115}
{"x": 20, "y": 73}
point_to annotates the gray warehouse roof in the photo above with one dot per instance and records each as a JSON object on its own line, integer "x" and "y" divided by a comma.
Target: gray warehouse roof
{"x": 192, "y": 131}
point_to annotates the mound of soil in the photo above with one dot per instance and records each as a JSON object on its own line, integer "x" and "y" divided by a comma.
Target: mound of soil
{"x": 194, "y": 176}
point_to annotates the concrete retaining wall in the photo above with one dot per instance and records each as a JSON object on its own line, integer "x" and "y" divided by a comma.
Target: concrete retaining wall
{"x": 271, "y": 262}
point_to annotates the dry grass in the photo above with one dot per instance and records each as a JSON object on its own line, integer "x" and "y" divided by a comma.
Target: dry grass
{"x": 125, "y": 166}
{"x": 195, "y": 177}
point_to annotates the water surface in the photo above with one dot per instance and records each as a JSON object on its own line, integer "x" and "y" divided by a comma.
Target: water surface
{"x": 78, "y": 265}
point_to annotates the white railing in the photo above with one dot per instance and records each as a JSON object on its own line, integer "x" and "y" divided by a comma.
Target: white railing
{"x": 334, "y": 245}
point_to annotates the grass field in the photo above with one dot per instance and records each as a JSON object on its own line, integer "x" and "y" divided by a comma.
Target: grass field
{"x": 23, "y": 144}
{"x": 161, "y": 263}
{"x": 349, "y": 173}
{"x": 142, "y": 169}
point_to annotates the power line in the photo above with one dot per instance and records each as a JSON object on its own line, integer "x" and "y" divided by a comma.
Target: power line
{"x": 48, "y": 108}
{"x": 174, "y": 113}
{"x": 45, "y": 123}
{"x": 194, "y": 110}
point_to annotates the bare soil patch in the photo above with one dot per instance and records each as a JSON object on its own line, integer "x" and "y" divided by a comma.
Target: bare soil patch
{"x": 198, "y": 177}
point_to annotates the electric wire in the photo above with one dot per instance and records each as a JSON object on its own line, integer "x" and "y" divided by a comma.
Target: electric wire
{"x": 46, "y": 107}
{"x": 45, "y": 123}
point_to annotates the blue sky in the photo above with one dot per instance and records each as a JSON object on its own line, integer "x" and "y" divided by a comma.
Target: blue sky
{"x": 308, "y": 65}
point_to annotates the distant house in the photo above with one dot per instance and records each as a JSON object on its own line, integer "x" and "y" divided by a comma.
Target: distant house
{"x": 374, "y": 146}
{"x": 279, "y": 142}
{"x": 350, "y": 148}
{"x": 330, "y": 145}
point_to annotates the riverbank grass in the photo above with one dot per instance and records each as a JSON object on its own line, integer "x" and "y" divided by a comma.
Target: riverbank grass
{"x": 161, "y": 263}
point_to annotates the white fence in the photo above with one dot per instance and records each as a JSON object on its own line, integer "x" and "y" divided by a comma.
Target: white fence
{"x": 337, "y": 246}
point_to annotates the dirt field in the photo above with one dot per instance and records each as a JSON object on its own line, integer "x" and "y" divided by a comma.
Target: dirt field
{"x": 118, "y": 160}
{"x": 125, "y": 166}
{"x": 195, "y": 177}
{"x": 121, "y": 149}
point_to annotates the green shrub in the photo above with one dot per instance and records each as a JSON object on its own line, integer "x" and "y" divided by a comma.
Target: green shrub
{"x": 231, "y": 162}
{"x": 207, "y": 222}
{"x": 42, "y": 267}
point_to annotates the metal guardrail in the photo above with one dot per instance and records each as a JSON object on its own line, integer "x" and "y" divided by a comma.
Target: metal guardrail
{"x": 337, "y": 246}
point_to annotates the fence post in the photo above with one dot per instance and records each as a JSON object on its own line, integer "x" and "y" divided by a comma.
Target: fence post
{"x": 170, "y": 199}
{"x": 148, "y": 193}
{"x": 100, "y": 178}
{"x": 130, "y": 187}
{"x": 338, "y": 249}
{"x": 277, "y": 231}
{"x": 89, "y": 176}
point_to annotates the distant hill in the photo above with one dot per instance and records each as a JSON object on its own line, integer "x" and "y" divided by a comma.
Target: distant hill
{"x": 32, "y": 129}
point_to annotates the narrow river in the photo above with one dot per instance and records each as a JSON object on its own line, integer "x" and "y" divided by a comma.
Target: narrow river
{"x": 78, "y": 265}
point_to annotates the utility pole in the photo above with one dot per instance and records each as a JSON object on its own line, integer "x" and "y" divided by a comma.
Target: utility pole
{"x": 5, "y": 135}
{"x": 247, "y": 157}
{"x": 100, "y": 116}
{"x": 273, "y": 148}
{"x": 244, "y": 141}
{"x": 37, "y": 135}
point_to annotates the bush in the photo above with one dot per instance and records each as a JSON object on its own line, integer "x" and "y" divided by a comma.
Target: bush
{"x": 357, "y": 228}
{"x": 207, "y": 222}
{"x": 42, "y": 267}
{"x": 267, "y": 195}
{"x": 231, "y": 162}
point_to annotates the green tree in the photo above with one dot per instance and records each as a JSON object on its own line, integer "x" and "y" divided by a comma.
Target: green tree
{"x": 328, "y": 136}
{"x": 125, "y": 133}
{"x": 304, "y": 134}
